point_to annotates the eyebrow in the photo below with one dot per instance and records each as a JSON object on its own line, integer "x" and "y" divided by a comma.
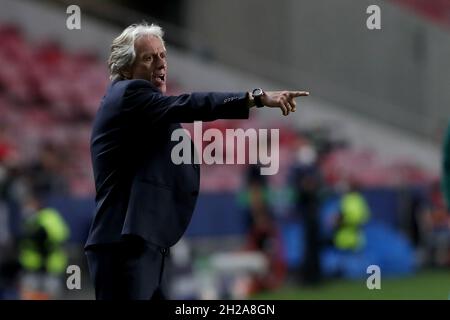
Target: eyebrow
{"x": 148, "y": 53}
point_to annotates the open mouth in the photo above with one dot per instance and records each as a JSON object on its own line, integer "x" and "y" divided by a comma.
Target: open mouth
{"x": 161, "y": 78}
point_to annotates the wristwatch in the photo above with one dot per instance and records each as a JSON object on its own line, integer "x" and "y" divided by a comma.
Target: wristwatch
{"x": 257, "y": 94}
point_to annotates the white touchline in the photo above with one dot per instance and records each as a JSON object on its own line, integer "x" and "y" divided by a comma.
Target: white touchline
{"x": 235, "y": 139}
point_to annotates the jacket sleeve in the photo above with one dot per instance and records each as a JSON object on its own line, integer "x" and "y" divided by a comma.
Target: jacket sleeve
{"x": 143, "y": 100}
{"x": 446, "y": 168}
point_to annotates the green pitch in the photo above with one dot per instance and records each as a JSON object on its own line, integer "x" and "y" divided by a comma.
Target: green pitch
{"x": 433, "y": 285}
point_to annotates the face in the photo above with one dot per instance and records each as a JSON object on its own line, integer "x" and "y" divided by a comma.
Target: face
{"x": 150, "y": 63}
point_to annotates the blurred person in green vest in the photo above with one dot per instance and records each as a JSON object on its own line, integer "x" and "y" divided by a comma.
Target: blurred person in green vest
{"x": 354, "y": 213}
{"x": 41, "y": 250}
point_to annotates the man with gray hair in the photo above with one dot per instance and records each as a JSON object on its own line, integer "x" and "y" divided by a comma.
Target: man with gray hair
{"x": 144, "y": 202}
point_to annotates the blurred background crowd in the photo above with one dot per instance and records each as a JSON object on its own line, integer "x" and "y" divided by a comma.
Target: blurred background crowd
{"x": 360, "y": 162}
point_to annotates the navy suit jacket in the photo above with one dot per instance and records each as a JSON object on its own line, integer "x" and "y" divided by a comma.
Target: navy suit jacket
{"x": 139, "y": 190}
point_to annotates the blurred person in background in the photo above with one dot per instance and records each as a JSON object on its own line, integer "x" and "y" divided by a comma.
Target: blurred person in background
{"x": 412, "y": 208}
{"x": 437, "y": 219}
{"x": 436, "y": 225}
{"x": 263, "y": 235}
{"x": 354, "y": 213}
{"x": 144, "y": 202}
{"x": 446, "y": 168}
{"x": 307, "y": 185}
{"x": 12, "y": 187}
{"x": 10, "y": 220}
{"x": 42, "y": 254}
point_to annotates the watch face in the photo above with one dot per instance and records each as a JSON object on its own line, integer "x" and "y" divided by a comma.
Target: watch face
{"x": 257, "y": 92}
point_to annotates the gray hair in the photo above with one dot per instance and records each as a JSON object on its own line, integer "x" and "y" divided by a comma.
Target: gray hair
{"x": 122, "y": 48}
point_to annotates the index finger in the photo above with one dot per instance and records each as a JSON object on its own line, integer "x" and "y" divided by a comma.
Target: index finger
{"x": 299, "y": 93}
